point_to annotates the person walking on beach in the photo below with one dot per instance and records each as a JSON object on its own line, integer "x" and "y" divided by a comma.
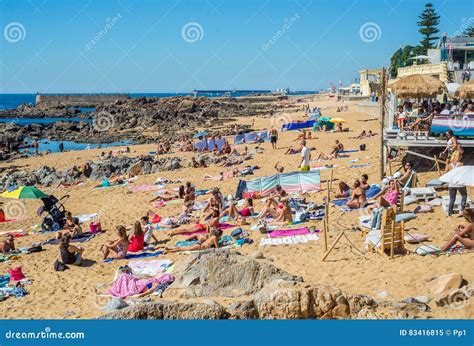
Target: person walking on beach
{"x": 36, "y": 147}
{"x": 305, "y": 157}
{"x": 61, "y": 147}
{"x": 274, "y": 137}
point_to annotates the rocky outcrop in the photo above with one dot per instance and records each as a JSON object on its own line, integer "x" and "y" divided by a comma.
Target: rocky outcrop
{"x": 41, "y": 111}
{"x": 164, "y": 310}
{"x": 120, "y": 165}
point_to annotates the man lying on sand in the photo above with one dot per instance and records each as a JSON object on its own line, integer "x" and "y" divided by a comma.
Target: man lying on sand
{"x": 204, "y": 242}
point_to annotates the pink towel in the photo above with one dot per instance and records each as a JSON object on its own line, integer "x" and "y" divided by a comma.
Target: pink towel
{"x": 226, "y": 226}
{"x": 128, "y": 285}
{"x": 288, "y": 232}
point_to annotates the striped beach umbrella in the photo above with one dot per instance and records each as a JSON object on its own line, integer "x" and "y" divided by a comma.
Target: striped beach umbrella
{"x": 24, "y": 192}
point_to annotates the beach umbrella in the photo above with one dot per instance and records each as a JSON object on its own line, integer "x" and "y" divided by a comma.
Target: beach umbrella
{"x": 200, "y": 134}
{"x": 453, "y": 88}
{"x": 466, "y": 90}
{"x": 463, "y": 176}
{"x": 337, "y": 120}
{"x": 24, "y": 192}
{"x": 418, "y": 86}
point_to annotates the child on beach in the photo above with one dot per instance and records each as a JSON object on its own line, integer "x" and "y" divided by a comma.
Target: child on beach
{"x": 70, "y": 254}
{"x": 148, "y": 227}
{"x": 118, "y": 247}
{"x": 8, "y": 244}
{"x": 137, "y": 238}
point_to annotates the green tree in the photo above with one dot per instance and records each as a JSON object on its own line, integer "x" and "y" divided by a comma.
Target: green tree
{"x": 402, "y": 57}
{"x": 428, "y": 23}
{"x": 469, "y": 32}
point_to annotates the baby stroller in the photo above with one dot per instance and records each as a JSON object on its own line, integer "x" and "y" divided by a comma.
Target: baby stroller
{"x": 56, "y": 218}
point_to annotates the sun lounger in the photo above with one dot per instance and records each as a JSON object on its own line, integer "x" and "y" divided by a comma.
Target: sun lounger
{"x": 423, "y": 193}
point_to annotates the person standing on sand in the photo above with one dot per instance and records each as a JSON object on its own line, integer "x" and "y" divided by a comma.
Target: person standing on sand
{"x": 36, "y": 147}
{"x": 305, "y": 157}
{"x": 61, "y": 147}
{"x": 273, "y": 137}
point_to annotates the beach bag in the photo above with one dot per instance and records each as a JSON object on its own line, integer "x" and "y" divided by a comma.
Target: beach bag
{"x": 16, "y": 274}
{"x": 362, "y": 147}
{"x": 35, "y": 248}
{"x": 236, "y": 232}
{"x": 95, "y": 227}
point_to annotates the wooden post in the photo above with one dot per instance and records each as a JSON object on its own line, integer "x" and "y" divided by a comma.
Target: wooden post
{"x": 437, "y": 165}
{"x": 383, "y": 96}
{"x": 330, "y": 184}
{"x": 326, "y": 226}
{"x": 333, "y": 245}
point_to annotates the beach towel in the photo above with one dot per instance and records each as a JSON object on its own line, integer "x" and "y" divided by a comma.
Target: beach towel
{"x": 424, "y": 250}
{"x": 347, "y": 151}
{"x": 224, "y": 226}
{"x": 297, "y": 239}
{"x": 340, "y": 202}
{"x": 292, "y": 182}
{"x": 86, "y": 217}
{"x": 456, "y": 249}
{"x": 138, "y": 255}
{"x": 183, "y": 243}
{"x": 288, "y": 232}
{"x": 361, "y": 165}
{"x": 405, "y": 217}
{"x": 128, "y": 285}
{"x": 372, "y": 191}
{"x": 149, "y": 268}
{"x": 4, "y": 280}
{"x": 111, "y": 186}
{"x": 145, "y": 187}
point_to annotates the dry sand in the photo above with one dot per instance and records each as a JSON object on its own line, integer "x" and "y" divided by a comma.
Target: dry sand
{"x": 71, "y": 294}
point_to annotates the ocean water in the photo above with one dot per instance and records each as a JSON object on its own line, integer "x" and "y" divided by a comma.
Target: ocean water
{"x": 12, "y": 101}
{"x": 28, "y": 121}
{"x": 53, "y": 146}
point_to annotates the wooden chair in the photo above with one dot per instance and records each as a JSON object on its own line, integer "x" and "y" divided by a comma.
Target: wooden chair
{"x": 391, "y": 235}
{"x": 400, "y": 201}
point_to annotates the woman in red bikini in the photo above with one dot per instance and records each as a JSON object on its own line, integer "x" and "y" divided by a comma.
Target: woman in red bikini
{"x": 246, "y": 211}
{"x": 198, "y": 227}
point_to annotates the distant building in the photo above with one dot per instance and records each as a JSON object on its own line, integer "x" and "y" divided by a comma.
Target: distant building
{"x": 370, "y": 79}
{"x": 447, "y": 61}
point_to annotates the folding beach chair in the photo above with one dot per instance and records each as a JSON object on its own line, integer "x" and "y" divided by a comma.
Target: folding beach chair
{"x": 390, "y": 237}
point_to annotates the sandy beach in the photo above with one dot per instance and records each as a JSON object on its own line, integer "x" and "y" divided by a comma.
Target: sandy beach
{"x": 71, "y": 294}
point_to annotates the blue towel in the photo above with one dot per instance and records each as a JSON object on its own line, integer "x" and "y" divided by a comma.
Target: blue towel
{"x": 340, "y": 202}
{"x": 186, "y": 243}
{"x": 138, "y": 255}
{"x": 372, "y": 191}
{"x": 348, "y": 151}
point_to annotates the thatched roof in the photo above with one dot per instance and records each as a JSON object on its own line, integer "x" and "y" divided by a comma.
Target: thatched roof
{"x": 418, "y": 86}
{"x": 466, "y": 90}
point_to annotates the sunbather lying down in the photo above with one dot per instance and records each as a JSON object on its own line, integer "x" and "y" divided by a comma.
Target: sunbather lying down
{"x": 463, "y": 233}
{"x": 198, "y": 227}
{"x": 205, "y": 241}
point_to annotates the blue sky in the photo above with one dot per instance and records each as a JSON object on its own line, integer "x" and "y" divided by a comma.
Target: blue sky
{"x": 143, "y": 45}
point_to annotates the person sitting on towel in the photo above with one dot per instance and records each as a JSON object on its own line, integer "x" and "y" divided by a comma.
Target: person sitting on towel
{"x": 344, "y": 190}
{"x": 246, "y": 211}
{"x": 282, "y": 214}
{"x": 137, "y": 238}
{"x": 70, "y": 254}
{"x": 118, "y": 248}
{"x": 212, "y": 240}
{"x": 336, "y": 149}
{"x": 358, "y": 198}
{"x": 72, "y": 227}
{"x": 274, "y": 199}
{"x": 463, "y": 234}
{"x": 8, "y": 244}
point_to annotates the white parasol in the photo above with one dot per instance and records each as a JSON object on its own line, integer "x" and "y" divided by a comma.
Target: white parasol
{"x": 463, "y": 175}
